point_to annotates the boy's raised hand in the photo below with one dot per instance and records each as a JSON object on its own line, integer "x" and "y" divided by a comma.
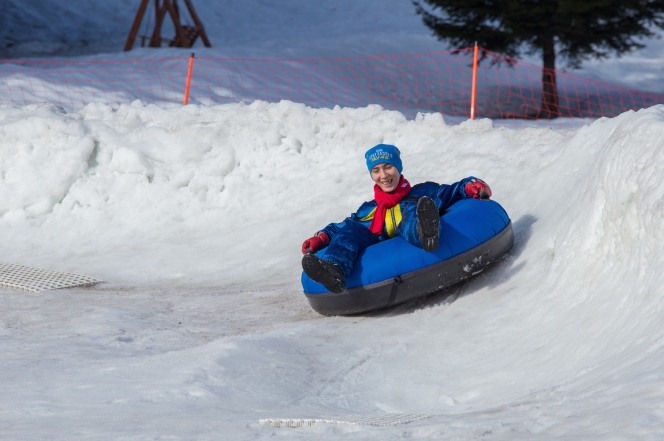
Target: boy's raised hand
{"x": 478, "y": 189}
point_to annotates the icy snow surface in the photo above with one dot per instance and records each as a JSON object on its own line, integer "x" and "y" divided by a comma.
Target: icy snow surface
{"x": 194, "y": 217}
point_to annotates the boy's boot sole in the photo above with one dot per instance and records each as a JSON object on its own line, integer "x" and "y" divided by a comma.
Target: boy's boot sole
{"x": 428, "y": 221}
{"x": 326, "y": 273}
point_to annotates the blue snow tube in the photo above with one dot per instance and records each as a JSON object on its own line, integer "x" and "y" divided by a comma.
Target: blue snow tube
{"x": 474, "y": 234}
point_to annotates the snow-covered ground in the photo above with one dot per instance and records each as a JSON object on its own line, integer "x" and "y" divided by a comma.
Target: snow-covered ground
{"x": 193, "y": 216}
{"x": 266, "y": 28}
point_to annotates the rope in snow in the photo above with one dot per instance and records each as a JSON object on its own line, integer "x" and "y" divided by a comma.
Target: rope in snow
{"x": 36, "y": 280}
{"x": 386, "y": 420}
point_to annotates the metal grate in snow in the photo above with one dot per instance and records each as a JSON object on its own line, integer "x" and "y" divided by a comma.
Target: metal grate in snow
{"x": 36, "y": 280}
{"x": 386, "y": 420}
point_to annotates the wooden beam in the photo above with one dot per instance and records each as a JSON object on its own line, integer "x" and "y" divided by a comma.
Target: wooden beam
{"x": 136, "y": 25}
{"x": 160, "y": 13}
{"x": 198, "y": 23}
{"x": 181, "y": 39}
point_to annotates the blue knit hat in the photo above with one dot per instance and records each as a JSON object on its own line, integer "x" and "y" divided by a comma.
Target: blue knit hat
{"x": 381, "y": 154}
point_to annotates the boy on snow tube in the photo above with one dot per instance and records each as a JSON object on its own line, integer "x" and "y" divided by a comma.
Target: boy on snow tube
{"x": 397, "y": 210}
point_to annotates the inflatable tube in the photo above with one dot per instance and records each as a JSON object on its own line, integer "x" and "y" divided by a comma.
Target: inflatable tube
{"x": 474, "y": 234}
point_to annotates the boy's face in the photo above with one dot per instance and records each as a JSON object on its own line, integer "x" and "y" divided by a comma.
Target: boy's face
{"x": 386, "y": 176}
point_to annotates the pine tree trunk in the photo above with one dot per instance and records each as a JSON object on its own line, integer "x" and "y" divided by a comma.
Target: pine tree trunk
{"x": 549, "y": 108}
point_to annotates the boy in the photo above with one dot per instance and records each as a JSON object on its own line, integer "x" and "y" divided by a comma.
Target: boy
{"x": 397, "y": 210}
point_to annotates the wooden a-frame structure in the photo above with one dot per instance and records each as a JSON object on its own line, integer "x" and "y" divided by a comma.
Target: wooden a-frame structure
{"x": 185, "y": 36}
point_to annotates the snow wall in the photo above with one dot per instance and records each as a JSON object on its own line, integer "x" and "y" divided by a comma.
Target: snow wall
{"x": 223, "y": 196}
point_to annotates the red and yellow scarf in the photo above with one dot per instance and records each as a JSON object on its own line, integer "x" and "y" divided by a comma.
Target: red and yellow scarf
{"x": 386, "y": 201}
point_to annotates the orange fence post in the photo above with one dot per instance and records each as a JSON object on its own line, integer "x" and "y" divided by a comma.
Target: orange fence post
{"x": 186, "y": 89}
{"x": 473, "y": 93}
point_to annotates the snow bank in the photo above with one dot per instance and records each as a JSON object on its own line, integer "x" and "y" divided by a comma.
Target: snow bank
{"x": 565, "y": 336}
{"x": 140, "y": 174}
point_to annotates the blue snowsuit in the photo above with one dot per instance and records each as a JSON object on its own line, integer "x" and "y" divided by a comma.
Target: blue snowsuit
{"x": 350, "y": 237}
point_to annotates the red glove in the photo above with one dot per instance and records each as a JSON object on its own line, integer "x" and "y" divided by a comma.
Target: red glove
{"x": 477, "y": 189}
{"x": 316, "y": 243}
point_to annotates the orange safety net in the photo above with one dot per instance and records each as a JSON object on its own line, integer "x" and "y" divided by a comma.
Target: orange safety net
{"x": 509, "y": 91}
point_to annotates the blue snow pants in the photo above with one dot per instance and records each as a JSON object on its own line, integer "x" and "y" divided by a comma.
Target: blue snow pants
{"x": 355, "y": 236}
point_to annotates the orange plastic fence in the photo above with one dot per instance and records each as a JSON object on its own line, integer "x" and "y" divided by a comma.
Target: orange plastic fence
{"x": 507, "y": 91}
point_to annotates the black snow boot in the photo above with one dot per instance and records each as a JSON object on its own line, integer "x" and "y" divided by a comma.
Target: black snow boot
{"x": 428, "y": 221}
{"x": 327, "y": 273}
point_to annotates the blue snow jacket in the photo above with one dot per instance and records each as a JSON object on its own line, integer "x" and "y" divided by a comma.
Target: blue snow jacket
{"x": 443, "y": 195}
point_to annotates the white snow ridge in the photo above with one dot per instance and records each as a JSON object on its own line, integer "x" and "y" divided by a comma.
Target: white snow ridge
{"x": 194, "y": 216}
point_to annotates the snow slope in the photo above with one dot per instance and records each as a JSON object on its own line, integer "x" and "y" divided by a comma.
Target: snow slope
{"x": 238, "y": 28}
{"x": 265, "y": 28}
{"x": 194, "y": 217}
